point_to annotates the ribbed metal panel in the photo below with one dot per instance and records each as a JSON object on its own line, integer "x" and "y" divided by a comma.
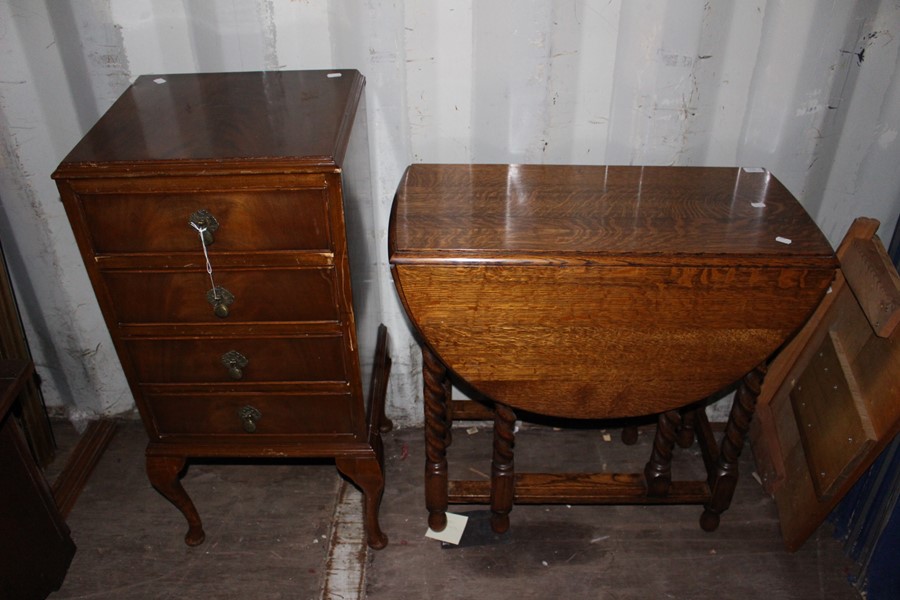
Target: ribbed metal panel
{"x": 807, "y": 89}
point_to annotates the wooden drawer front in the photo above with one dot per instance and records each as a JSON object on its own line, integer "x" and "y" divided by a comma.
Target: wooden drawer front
{"x": 259, "y": 295}
{"x": 281, "y": 414}
{"x": 275, "y": 359}
{"x": 247, "y": 221}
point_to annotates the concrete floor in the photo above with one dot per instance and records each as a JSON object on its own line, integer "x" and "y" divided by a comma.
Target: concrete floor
{"x": 270, "y": 533}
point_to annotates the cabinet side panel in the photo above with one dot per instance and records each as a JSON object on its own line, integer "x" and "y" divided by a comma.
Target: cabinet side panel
{"x": 362, "y": 242}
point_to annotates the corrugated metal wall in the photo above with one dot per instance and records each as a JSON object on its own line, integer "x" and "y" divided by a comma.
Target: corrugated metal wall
{"x": 807, "y": 89}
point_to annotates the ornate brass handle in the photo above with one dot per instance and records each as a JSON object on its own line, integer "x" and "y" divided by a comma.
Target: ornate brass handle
{"x": 249, "y": 416}
{"x": 203, "y": 221}
{"x": 221, "y": 299}
{"x": 235, "y": 362}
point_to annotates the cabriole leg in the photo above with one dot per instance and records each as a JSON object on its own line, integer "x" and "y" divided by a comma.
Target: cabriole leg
{"x": 368, "y": 475}
{"x": 164, "y": 473}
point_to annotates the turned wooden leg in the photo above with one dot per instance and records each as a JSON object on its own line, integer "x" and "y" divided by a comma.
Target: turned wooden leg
{"x": 368, "y": 475}
{"x": 630, "y": 435}
{"x": 448, "y": 414}
{"x": 164, "y": 473}
{"x": 725, "y": 477}
{"x": 436, "y": 437}
{"x": 502, "y": 467}
{"x": 707, "y": 442}
{"x": 685, "y": 433}
{"x": 658, "y": 472}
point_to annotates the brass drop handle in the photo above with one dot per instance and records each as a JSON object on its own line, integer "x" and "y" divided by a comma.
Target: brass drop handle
{"x": 249, "y": 416}
{"x": 235, "y": 362}
{"x": 221, "y": 299}
{"x": 206, "y": 224}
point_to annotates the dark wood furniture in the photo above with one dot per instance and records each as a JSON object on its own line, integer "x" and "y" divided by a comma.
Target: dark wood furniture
{"x": 218, "y": 216}
{"x": 599, "y": 292}
{"x": 14, "y": 346}
{"x": 831, "y": 402}
{"x": 35, "y": 544}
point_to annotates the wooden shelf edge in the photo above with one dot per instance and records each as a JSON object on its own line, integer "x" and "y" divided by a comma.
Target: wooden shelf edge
{"x": 81, "y": 463}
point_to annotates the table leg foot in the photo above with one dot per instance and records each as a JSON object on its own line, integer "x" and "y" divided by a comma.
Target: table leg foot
{"x": 499, "y": 523}
{"x": 436, "y": 439}
{"x": 437, "y": 521}
{"x": 164, "y": 473}
{"x": 709, "y": 521}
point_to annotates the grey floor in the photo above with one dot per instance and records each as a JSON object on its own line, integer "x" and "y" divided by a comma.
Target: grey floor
{"x": 269, "y": 533}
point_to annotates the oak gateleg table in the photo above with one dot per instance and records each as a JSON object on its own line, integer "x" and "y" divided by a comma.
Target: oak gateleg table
{"x": 594, "y": 292}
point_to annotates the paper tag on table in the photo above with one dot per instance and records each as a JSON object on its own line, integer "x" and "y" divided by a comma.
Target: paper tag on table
{"x": 452, "y": 533}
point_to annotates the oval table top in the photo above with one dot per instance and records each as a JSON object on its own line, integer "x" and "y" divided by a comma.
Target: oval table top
{"x": 599, "y": 292}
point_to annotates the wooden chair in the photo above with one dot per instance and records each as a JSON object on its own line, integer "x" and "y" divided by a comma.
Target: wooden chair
{"x": 831, "y": 400}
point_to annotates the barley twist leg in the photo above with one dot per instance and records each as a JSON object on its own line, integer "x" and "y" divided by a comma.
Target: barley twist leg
{"x": 436, "y": 439}
{"x": 502, "y": 467}
{"x": 724, "y": 480}
{"x": 658, "y": 471}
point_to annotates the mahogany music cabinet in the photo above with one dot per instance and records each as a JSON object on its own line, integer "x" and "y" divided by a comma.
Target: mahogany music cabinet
{"x": 593, "y": 293}
{"x": 225, "y": 223}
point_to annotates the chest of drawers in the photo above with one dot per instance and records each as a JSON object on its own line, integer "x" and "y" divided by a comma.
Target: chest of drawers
{"x": 218, "y": 216}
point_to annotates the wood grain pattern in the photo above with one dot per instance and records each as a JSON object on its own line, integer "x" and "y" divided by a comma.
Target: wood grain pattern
{"x": 189, "y": 121}
{"x": 601, "y": 292}
{"x": 200, "y": 360}
{"x": 267, "y": 155}
{"x": 606, "y": 214}
{"x": 293, "y": 219}
{"x": 814, "y": 455}
{"x": 545, "y": 287}
{"x": 145, "y": 296}
{"x": 576, "y": 341}
{"x": 283, "y": 414}
{"x": 832, "y": 420}
{"x": 869, "y": 269}
{"x": 767, "y": 449}
{"x": 581, "y": 488}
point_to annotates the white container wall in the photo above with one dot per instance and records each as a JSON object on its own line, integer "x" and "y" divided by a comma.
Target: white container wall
{"x": 808, "y": 89}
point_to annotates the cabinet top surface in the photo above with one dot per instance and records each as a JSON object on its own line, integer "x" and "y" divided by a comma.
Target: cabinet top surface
{"x": 211, "y": 119}
{"x": 516, "y": 213}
